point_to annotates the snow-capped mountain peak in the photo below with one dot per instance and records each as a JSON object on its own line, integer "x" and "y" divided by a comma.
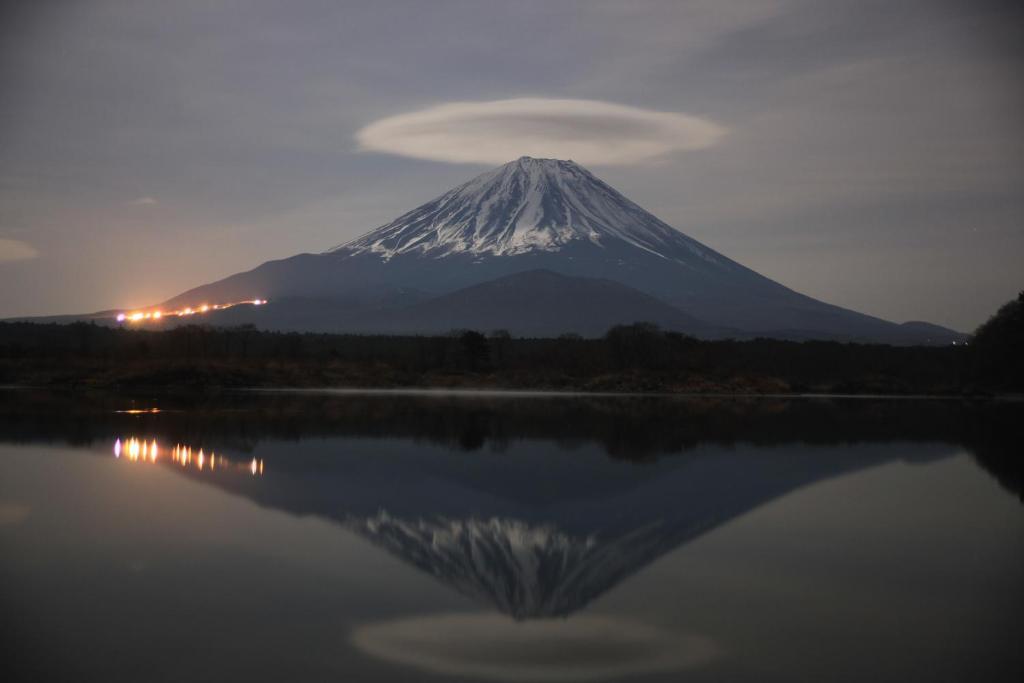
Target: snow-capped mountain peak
{"x": 443, "y": 266}
{"x": 526, "y": 205}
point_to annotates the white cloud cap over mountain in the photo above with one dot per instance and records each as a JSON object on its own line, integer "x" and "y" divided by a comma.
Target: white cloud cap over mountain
{"x": 587, "y": 131}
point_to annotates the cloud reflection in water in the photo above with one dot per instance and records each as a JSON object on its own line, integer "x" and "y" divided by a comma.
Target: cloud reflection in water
{"x": 493, "y": 647}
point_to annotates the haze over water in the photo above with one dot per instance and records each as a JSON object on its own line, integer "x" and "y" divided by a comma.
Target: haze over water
{"x": 440, "y": 537}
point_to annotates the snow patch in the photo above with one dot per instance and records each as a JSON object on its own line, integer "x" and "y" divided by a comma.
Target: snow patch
{"x": 528, "y": 205}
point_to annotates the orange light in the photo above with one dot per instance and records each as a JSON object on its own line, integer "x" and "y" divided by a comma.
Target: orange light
{"x": 136, "y": 316}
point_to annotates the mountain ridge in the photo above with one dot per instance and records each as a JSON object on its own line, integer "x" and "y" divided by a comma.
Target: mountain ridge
{"x": 586, "y": 306}
{"x": 537, "y": 215}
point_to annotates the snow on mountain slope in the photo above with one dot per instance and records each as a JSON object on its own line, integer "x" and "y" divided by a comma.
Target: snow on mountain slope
{"x": 526, "y": 205}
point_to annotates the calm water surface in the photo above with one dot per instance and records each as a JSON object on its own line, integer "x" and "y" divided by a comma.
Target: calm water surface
{"x": 316, "y": 537}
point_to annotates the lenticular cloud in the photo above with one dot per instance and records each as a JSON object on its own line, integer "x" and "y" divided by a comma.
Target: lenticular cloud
{"x": 587, "y": 131}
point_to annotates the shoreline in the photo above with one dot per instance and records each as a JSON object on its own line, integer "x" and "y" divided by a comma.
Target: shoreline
{"x": 501, "y": 392}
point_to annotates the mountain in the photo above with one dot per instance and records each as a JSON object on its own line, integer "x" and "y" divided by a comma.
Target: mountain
{"x": 587, "y": 306}
{"x": 929, "y": 333}
{"x": 537, "y": 215}
{"x": 536, "y": 303}
{"x": 540, "y": 303}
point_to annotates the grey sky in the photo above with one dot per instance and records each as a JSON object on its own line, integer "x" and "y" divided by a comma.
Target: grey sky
{"x": 874, "y": 156}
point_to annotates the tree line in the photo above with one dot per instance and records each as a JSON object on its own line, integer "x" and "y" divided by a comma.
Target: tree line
{"x": 636, "y": 357}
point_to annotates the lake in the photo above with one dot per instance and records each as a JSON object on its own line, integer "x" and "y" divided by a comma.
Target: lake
{"x": 315, "y": 536}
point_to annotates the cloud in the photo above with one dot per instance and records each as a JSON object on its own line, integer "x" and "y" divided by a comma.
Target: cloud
{"x": 587, "y": 131}
{"x": 16, "y": 250}
{"x": 143, "y": 201}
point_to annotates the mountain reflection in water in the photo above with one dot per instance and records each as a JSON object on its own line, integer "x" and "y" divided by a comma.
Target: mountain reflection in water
{"x": 598, "y": 488}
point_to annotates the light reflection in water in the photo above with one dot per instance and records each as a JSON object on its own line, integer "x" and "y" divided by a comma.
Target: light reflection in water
{"x": 142, "y": 450}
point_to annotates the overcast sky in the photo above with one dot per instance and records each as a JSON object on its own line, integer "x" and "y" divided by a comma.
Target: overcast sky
{"x": 870, "y": 154}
